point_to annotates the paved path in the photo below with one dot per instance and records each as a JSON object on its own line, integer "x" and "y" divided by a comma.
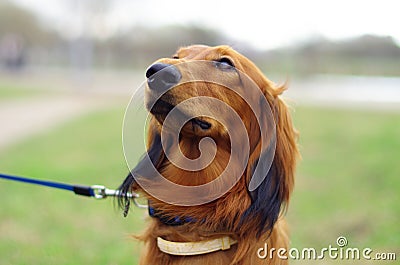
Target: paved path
{"x": 21, "y": 118}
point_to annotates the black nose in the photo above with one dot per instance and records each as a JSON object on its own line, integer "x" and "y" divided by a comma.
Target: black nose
{"x": 161, "y": 76}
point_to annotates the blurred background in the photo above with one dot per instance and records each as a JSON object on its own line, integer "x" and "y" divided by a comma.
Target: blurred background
{"x": 68, "y": 69}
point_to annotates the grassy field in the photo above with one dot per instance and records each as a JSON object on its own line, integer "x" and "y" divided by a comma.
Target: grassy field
{"x": 10, "y": 92}
{"x": 347, "y": 185}
{"x": 46, "y": 226}
{"x": 348, "y": 181}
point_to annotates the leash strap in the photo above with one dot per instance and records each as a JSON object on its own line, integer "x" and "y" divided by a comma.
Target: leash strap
{"x": 96, "y": 191}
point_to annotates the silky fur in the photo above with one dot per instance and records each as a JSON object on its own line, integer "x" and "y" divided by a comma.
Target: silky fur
{"x": 252, "y": 218}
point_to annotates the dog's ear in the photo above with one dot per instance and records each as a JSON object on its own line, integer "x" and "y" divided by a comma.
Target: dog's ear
{"x": 154, "y": 154}
{"x": 272, "y": 193}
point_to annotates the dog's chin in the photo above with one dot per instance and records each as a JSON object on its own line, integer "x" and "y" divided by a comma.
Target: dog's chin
{"x": 162, "y": 108}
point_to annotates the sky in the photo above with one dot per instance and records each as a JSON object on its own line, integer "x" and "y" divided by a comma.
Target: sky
{"x": 262, "y": 24}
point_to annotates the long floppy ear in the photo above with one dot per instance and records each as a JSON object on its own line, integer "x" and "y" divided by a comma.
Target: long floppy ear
{"x": 272, "y": 195}
{"x": 156, "y": 155}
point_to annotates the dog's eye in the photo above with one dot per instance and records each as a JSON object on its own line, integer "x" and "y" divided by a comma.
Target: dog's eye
{"x": 175, "y": 57}
{"x": 225, "y": 63}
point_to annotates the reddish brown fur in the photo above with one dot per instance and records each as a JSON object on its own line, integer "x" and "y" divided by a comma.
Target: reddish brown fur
{"x": 222, "y": 216}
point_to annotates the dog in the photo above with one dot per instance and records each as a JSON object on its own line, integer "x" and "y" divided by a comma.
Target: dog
{"x": 227, "y": 222}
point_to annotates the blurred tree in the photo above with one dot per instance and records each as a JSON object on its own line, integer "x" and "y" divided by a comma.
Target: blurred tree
{"x": 142, "y": 45}
{"x": 362, "y": 55}
{"x": 19, "y": 21}
{"x": 12, "y": 52}
{"x": 23, "y": 37}
{"x": 87, "y": 41}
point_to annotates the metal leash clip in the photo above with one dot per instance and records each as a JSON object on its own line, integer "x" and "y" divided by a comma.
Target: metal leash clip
{"x": 101, "y": 192}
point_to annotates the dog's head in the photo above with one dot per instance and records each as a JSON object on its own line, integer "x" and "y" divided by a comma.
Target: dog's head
{"x": 202, "y": 92}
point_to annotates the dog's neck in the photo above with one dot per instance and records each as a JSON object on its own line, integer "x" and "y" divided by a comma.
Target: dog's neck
{"x": 190, "y": 145}
{"x": 202, "y": 213}
{"x": 189, "y": 149}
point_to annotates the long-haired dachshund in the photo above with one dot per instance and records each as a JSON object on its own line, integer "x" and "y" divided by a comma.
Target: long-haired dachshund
{"x": 228, "y": 221}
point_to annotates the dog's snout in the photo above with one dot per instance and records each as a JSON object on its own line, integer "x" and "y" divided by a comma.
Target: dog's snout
{"x": 154, "y": 68}
{"x": 162, "y": 76}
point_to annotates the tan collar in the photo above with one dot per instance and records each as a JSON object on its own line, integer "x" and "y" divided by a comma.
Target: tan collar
{"x": 195, "y": 248}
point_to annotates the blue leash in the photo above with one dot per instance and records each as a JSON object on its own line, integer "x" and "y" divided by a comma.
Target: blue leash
{"x": 96, "y": 191}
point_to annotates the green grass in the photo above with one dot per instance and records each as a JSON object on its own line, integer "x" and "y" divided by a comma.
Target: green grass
{"x": 39, "y": 225}
{"x": 11, "y": 92}
{"x": 348, "y": 180}
{"x": 347, "y": 184}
